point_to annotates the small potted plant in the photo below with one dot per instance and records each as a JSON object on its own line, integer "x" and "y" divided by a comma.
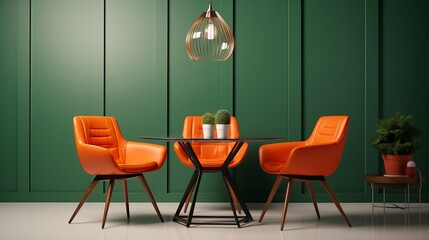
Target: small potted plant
{"x": 222, "y": 120}
{"x": 396, "y": 139}
{"x": 208, "y": 120}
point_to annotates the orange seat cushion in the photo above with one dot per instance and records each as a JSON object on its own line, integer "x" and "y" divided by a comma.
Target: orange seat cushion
{"x": 137, "y": 168}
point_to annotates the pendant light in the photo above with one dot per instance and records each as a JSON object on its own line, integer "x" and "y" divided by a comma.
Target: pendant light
{"x": 209, "y": 38}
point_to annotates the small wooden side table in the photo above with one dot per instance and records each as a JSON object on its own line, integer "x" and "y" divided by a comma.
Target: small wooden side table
{"x": 383, "y": 182}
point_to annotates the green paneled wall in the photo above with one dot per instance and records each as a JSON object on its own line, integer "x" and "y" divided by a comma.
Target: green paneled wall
{"x": 136, "y": 80}
{"x": 333, "y": 79}
{"x": 294, "y": 61}
{"x": 404, "y": 66}
{"x": 8, "y": 96}
{"x": 66, "y": 80}
{"x": 194, "y": 88}
{"x": 262, "y": 85}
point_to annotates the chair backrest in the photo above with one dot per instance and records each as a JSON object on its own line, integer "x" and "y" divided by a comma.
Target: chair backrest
{"x": 100, "y": 131}
{"x": 330, "y": 129}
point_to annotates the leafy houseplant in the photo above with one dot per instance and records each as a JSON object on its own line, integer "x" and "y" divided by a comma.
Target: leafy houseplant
{"x": 396, "y": 139}
{"x": 208, "y": 120}
{"x": 222, "y": 120}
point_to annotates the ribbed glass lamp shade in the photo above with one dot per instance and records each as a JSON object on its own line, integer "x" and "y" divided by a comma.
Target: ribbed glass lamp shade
{"x": 209, "y": 38}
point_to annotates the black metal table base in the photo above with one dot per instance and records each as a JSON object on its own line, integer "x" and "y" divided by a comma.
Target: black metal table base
{"x": 194, "y": 183}
{"x": 222, "y": 220}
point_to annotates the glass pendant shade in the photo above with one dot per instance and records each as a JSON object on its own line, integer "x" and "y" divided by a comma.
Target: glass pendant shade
{"x": 210, "y": 38}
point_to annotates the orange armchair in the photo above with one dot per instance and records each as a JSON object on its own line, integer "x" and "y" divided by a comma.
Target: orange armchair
{"x": 104, "y": 152}
{"x": 211, "y": 155}
{"x": 307, "y": 161}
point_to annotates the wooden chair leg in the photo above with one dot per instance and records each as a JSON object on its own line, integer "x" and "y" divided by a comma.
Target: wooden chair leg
{"x": 271, "y": 196}
{"x": 286, "y": 203}
{"x": 188, "y": 199}
{"x": 85, "y": 196}
{"x": 313, "y": 198}
{"x": 234, "y": 199}
{"x": 107, "y": 204}
{"x": 152, "y": 199}
{"x": 337, "y": 204}
{"x": 127, "y": 205}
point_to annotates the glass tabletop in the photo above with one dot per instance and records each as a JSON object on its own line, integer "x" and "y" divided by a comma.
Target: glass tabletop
{"x": 182, "y": 139}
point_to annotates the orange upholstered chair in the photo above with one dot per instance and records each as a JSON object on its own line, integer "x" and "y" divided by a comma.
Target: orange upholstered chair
{"x": 104, "y": 152}
{"x": 211, "y": 155}
{"x": 307, "y": 161}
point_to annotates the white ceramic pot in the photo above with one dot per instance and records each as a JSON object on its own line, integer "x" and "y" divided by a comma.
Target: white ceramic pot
{"x": 222, "y": 131}
{"x": 208, "y": 130}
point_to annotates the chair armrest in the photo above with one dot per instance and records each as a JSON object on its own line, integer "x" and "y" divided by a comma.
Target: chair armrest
{"x": 96, "y": 160}
{"x": 315, "y": 159}
{"x": 138, "y": 152}
{"x": 278, "y": 152}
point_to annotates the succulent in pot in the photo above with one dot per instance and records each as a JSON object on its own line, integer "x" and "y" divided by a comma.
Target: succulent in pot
{"x": 222, "y": 120}
{"x": 208, "y": 120}
{"x": 396, "y": 139}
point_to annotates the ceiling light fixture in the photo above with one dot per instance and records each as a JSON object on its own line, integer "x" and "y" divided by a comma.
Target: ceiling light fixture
{"x": 210, "y": 38}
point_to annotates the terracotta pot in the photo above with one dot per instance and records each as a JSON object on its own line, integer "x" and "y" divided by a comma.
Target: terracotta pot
{"x": 396, "y": 164}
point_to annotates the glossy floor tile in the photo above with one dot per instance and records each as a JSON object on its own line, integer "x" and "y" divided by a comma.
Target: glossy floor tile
{"x": 50, "y": 221}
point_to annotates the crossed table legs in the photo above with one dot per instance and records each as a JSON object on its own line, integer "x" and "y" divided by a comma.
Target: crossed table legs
{"x": 194, "y": 184}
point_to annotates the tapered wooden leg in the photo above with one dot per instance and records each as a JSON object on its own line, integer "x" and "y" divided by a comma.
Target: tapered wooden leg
{"x": 107, "y": 204}
{"x": 313, "y": 198}
{"x": 271, "y": 196}
{"x": 152, "y": 199}
{"x": 337, "y": 204}
{"x": 85, "y": 196}
{"x": 286, "y": 203}
{"x": 188, "y": 199}
{"x": 127, "y": 205}
{"x": 234, "y": 199}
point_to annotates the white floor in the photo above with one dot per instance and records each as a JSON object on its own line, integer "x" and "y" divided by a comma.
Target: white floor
{"x": 50, "y": 221}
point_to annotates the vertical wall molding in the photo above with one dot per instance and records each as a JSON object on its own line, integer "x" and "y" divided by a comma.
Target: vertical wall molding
{"x": 24, "y": 93}
{"x": 167, "y": 89}
{"x": 104, "y": 58}
{"x": 371, "y": 83}
{"x": 226, "y": 68}
{"x": 295, "y": 55}
{"x": 294, "y": 69}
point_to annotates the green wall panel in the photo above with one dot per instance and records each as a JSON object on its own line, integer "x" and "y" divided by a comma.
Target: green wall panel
{"x": 9, "y": 95}
{"x": 194, "y": 88}
{"x": 404, "y": 67}
{"x": 66, "y": 80}
{"x": 136, "y": 80}
{"x": 333, "y": 79}
{"x": 261, "y": 85}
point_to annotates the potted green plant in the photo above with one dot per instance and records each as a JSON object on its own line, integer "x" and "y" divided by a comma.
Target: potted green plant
{"x": 396, "y": 139}
{"x": 222, "y": 120}
{"x": 208, "y": 120}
